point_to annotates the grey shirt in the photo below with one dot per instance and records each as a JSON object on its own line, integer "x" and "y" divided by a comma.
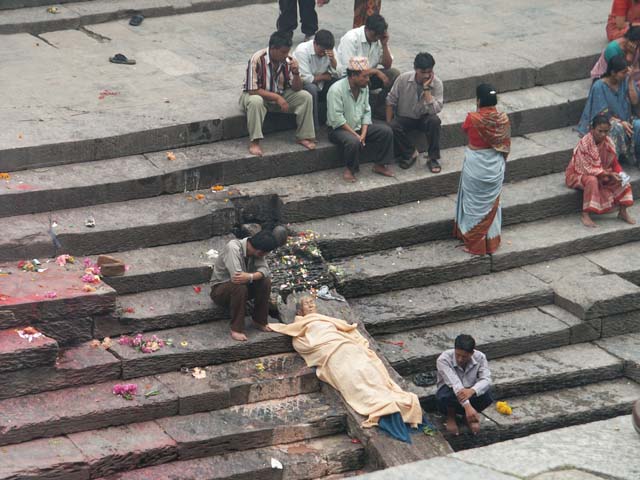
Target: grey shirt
{"x": 407, "y": 96}
{"x": 475, "y": 375}
{"x": 233, "y": 258}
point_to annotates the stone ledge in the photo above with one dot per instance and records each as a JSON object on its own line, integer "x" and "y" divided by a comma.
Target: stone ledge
{"x": 17, "y": 353}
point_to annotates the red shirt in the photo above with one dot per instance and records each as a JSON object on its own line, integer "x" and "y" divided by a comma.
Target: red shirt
{"x": 619, "y": 8}
{"x": 474, "y": 137}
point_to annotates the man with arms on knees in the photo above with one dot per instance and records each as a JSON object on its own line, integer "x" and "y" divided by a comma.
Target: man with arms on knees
{"x": 371, "y": 41}
{"x": 318, "y": 65}
{"x": 464, "y": 383}
{"x": 273, "y": 83}
{"x": 413, "y": 103}
{"x": 240, "y": 273}
{"x": 349, "y": 121}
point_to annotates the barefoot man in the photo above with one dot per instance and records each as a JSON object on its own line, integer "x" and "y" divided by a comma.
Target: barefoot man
{"x": 273, "y": 83}
{"x": 595, "y": 170}
{"x": 464, "y": 384}
{"x": 240, "y": 273}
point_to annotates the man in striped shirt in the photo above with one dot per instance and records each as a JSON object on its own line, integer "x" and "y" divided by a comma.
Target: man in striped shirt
{"x": 273, "y": 83}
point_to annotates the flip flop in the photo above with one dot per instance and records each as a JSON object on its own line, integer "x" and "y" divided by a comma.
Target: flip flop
{"x": 136, "y": 20}
{"x": 121, "y": 59}
{"x": 434, "y": 166}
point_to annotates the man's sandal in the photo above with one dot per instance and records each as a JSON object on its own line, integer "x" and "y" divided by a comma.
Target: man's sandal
{"x": 434, "y": 166}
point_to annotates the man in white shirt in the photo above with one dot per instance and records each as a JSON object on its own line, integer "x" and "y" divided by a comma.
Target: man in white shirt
{"x": 318, "y": 64}
{"x": 371, "y": 41}
{"x": 464, "y": 384}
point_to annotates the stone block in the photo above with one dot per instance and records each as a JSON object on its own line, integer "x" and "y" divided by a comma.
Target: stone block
{"x": 581, "y": 330}
{"x": 17, "y": 353}
{"x": 620, "y": 324}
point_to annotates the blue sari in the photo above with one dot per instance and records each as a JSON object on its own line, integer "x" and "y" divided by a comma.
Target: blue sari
{"x": 603, "y": 100}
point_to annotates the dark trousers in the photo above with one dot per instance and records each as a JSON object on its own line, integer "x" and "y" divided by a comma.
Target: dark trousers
{"x": 402, "y": 144}
{"x": 446, "y": 397}
{"x": 378, "y": 99}
{"x": 379, "y": 142}
{"x": 234, "y": 297}
{"x": 319, "y": 97}
{"x": 288, "y": 19}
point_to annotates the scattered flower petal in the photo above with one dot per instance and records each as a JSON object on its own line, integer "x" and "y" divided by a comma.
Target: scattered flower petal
{"x": 504, "y": 408}
{"x": 199, "y": 373}
{"x": 171, "y": 156}
{"x": 197, "y": 289}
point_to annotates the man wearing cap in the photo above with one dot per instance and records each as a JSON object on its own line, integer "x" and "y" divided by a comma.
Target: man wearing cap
{"x": 350, "y": 125}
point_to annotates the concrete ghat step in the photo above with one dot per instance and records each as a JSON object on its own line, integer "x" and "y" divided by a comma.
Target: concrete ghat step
{"x": 451, "y": 302}
{"x": 323, "y": 194}
{"x": 497, "y": 336}
{"x": 17, "y": 353}
{"x": 118, "y": 226}
{"x": 555, "y": 409}
{"x": 95, "y": 406}
{"x": 535, "y": 372}
{"x": 443, "y": 260}
{"x": 160, "y": 309}
{"x": 623, "y": 261}
{"x": 315, "y": 458}
{"x": 204, "y": 344}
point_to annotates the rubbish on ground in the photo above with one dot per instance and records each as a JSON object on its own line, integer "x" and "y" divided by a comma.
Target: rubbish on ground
{"x": 504, "y": 408}
{"x": 355, "y": 440}
{"x": 5, "y": 176}
{"x": 31, "y": 266}
{"x": 107, "y": 93}
{"x": 276, "y": 464}
{"x": 110, "y": 266}
{"x": 260, "y": 367}
{"x": 197, "y": 289}
{"x": 50, "y": 295}
{"x": 91, "y": 278}
{"x": 129, "y": 310}
{"x": 53, "y": 10}
{"x": 199, "y": 373}
{"x": 425, "y": 379}
{"x": 106, "y": 343}
{"x": 171, "y": 156}
{"x": 122, "y": 59}
{"x": 125, "y": 390}
{"x": 29, "y": 333}
{"x": 144, "y": 345}
{"x": 136, "y": 20}
{"x": 217, "y": 188}
{"x": 199, "y": 196}
{"x": 4, "y": 274}
{"x": 152, "y": 393}
{"x": 184, "y": 343}
{"x": 88, "y": 289}
{"x": 325, "y": 294}
{"x": 62, "y": 260}
{"x": 399, "y": 343}
{"x": 212, "y": 254}
{"x": 90, "y": 222}
{"x": 184, "y": 370}
{"x": 428, "y": 431}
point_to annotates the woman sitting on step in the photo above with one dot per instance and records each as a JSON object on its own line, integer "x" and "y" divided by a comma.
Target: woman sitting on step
{"x": 478, "y": 214}
{"x": 627, "y": 46}
{"x": 595, "y": 170}
{"x": 623, "y": 13}
{"x": 614, "y": 95}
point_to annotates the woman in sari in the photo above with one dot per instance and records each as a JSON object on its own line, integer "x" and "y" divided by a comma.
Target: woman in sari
{"x": 614, "y": 95}
{"x": 363, "y": 9}
{"x": 627, "y": 46}
{"x": 623, "y": 13}
{"x": 478, "y": 213}
{"x": 595, "y": 170}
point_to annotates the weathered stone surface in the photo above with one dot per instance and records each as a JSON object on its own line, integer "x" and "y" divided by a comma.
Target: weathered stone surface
{"x": 253, "y": 426}
{"x": 580, "y": 330}
{"x": 571, "y": 474}
{"x": 560, "y": 236}
{"x": 315, "y": 458}
{"x": 161, "y": 309}
{"x": 622, "y": 260}
{"x": 77, "y": 409}
{"x": 46, "y": 459}
{"x": 132, "y": 446}
{"x": 451, "y": 302}
{"x": 18, "y": 353}
{"x": 621, "y": 323}
{"x": 75, "y": 366}
{"x": 413, "y": 266}
{"x": 607, "y": 448}
{"x": 627, "y": 348}
{"x": 555, "y": 271}
{"x": 243, "y": 382}
{"x": 496, "y": 335}
{"x": 206, "y": 344}
{"x": 597, "y": 296}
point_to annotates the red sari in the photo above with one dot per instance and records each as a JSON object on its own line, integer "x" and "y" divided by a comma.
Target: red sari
{"x": 622, "y": 8}
{"x": 590, "y": 160}
{"x": 363, "y": 9}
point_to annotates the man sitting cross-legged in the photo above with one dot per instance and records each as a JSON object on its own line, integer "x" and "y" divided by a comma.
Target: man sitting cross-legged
{"x": 273, "y": 83}
{"x": 240, "y": 273}
{"x": 464, "y": 383}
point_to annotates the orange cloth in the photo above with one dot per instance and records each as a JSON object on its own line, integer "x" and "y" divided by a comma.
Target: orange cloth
{"x": 488, "y": 128}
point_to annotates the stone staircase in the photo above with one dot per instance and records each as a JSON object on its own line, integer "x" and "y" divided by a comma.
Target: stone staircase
{"x": 561, "y": 346}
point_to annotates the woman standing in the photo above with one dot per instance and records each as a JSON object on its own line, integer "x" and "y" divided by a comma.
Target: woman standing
{"x": 478, "y": 214}
{"x": 363, "y": 9}
{"x": 614, "y": 95}
{"x": 623, "y": 13}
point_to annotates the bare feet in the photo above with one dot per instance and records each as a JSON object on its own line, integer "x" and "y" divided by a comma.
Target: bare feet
{"x": 625, "y": 217}
{"x": 262, "y": 328}
{"x": 238, "y": 336}
{"x": 586, "y": 220}
{"x": 308, "y": 143}
{"x": 383, "y": 170}
{"x": 452, "y": 426}
{"x": 255, "y": 148}
{"x": 475, "y": 427}
{"x": 348, "y": 176}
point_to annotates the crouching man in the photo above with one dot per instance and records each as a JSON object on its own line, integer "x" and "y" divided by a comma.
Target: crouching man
{"x": 241, "y": 273}
{"x": 464, "y": 384}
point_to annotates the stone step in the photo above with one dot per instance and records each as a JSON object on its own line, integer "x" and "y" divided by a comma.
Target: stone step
{"x": 455, "y": 301}
{"x": 161, "y": 309}
{"x": 443, "y": 260}
{"x": 18, "y": 352}
{"x": 535, "y": 372}
{"x": 626, "y": 348}
{"x": 555, "y": 409}
{"x": 94, "y": 406}
{"x": 312, "y": 459}
{"x": 79, "y": 365}
{"x": 622, "y": 261}
{"x": 501, "y": 335}
{"x": 118, "y": 226}
{"x": 204, "y": 344}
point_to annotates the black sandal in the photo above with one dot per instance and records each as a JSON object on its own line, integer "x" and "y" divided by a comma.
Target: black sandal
{"x": 136, "y": 20}
{"x": 434, "y": 166}
{"x": 121, "y": 59}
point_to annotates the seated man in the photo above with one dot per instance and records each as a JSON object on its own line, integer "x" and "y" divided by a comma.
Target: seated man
{"x": 350, "y": 125}
{"x": 595, "y": 170}
{"x": 413, "y": 103}
{"x": 345, "y": 361}
{"x": 240, "y": 273}
{"x": 318, "y": 70}
{"x": 273, "y": 83}
{"x": 464, "y": 383}
{"x": 371, "y": 41}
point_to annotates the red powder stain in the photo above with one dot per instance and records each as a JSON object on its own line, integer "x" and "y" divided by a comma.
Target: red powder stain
{"x": 25, "y": 186}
